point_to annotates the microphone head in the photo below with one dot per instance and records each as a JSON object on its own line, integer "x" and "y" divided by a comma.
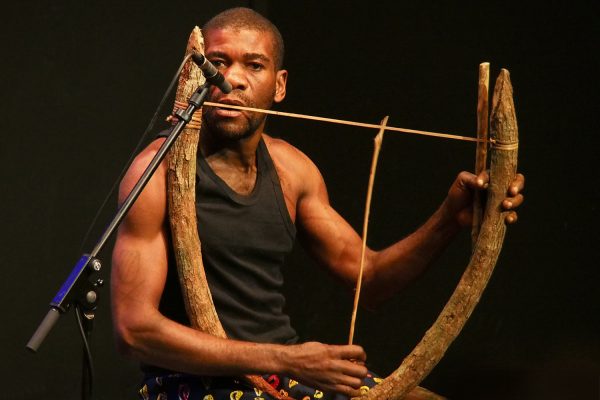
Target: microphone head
{"x": 220, "y": 82}
{"x": 198, "y": 58}
{"x": 211, "y": 73}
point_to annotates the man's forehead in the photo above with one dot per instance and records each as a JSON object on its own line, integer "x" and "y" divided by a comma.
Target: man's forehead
{"x": 256, "y": 40}
{"x": 228, "y": 31}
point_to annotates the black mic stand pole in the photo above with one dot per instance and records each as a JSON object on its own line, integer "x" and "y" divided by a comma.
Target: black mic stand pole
{"x": 82, "y": 285}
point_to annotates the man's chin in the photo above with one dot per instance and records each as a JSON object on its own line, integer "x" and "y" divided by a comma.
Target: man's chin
{"x": 231, "y": 128}
{"x": 231, "y": 131}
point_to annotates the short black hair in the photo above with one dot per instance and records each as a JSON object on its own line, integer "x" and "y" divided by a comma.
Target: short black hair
{"x": 246, "y": 18}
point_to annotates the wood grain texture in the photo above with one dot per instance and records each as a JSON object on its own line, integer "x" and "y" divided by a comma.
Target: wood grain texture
{"x": 483, "y": 89}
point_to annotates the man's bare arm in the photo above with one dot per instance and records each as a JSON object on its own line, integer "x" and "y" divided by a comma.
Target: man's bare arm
{"x": 332, "y": 241}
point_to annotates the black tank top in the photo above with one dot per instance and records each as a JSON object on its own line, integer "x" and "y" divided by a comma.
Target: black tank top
{"x": 244, "y": 242}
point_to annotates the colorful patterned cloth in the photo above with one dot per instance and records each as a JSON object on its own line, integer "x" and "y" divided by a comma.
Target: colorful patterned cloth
{"x": 190, "y": 387}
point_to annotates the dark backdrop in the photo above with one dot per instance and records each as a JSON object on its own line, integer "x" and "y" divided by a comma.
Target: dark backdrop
{"x": 80, "y": 81}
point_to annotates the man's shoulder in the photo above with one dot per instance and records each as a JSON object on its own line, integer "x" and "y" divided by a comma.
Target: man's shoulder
{"x": 284, "y": 152}
{"x": 147, "y": 153}
{"x": 139, "y": 165}
{"x": 298, "y": 173}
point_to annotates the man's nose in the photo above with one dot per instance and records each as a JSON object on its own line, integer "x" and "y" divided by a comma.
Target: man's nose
{"x": 235, "y": 75}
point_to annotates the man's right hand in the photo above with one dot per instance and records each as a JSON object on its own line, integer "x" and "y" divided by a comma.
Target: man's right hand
{"x": 331, "y": 368}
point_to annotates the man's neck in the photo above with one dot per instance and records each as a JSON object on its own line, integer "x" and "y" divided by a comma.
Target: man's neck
{"x": 238, "y": 153}
{"x": 232, "y": 160}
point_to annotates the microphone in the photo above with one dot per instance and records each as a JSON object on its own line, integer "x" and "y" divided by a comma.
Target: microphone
{"x": 211, "y": 73}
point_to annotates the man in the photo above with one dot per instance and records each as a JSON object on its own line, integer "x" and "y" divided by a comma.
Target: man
{"x": 254, "y": 192}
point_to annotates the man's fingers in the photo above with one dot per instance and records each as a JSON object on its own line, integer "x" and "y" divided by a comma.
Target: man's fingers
{"x": 352, "y": 352}
{"x": 517, "y": 185}
{"x": 511, "y": 217}
{"x": 466, "y": 181}
{"x": 350, "y": 381}
{"x": 352, "y": 369}
{"x": 513, "y": 202}
{"x": 482, "y": 180}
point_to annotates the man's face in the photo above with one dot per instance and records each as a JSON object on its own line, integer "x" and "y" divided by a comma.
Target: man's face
{"x": 246, "y": 59}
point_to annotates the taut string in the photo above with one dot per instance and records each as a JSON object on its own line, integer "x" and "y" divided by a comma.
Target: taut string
{"x": 345, "y": 122}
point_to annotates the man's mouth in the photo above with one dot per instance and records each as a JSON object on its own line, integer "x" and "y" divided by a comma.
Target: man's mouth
{"x": 226, "y": 111}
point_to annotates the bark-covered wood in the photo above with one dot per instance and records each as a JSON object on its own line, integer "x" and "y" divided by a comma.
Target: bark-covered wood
{"x": 181, "y": 194}
{"x": 482, "y": 135}
{"x": 181, "y": 177}
{"x": 417, "y": 365}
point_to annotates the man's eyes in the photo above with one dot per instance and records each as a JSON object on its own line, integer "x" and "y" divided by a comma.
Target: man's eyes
{"x": 252, "y": 65}
{"x": 256, "y": 66}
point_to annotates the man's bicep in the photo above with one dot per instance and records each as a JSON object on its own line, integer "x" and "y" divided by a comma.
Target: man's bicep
{"x": 140, "y": 252}
{"x": 326, "y": 235}
{"x": 139, "y": 268}
{"x": 138, "y": 275}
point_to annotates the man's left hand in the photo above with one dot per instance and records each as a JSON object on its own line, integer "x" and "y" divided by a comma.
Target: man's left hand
{"x": 459, "y": 202}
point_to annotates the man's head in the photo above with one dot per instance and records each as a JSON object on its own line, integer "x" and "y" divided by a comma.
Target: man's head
{"x": 248, "y": 50}
{"x": 248, "y": 19}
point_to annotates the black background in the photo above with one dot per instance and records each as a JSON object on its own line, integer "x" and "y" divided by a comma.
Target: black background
{"x": 80, "y": 81}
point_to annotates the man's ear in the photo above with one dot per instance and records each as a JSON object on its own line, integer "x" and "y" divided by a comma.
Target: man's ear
{"x": 280, "y": 82}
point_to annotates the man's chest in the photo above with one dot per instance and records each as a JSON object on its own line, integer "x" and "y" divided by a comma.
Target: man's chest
{"x": 242, "y": 181}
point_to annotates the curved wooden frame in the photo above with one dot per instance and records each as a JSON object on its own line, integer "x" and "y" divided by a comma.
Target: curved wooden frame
{"x": 419, "y": 363}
